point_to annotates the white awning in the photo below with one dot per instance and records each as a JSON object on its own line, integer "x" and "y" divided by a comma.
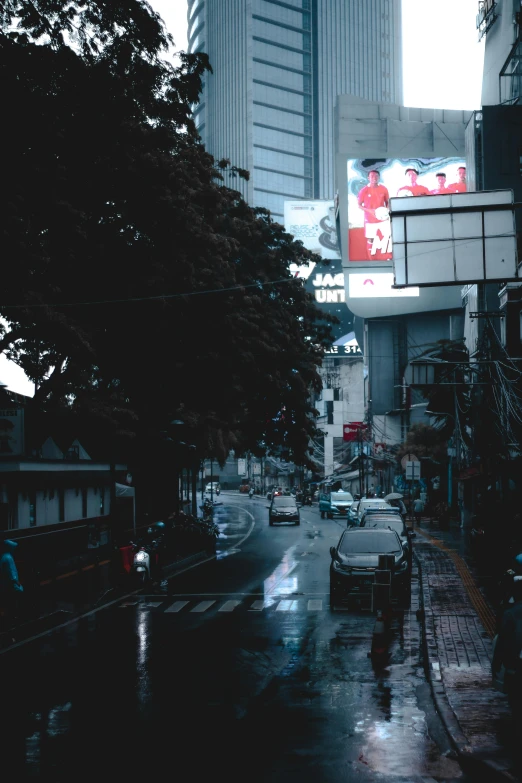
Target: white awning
{"x": 124, "y": 491}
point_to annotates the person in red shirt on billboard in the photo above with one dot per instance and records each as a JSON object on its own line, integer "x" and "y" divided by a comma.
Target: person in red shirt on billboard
{"x": 441, "y": 188}
{"x": 374, "y": 200}
{"x": 460, "y": 186}
{"x": 412, "y": 189}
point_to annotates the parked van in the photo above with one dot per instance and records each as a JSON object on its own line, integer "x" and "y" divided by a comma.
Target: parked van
{"x": 334, "y": 504}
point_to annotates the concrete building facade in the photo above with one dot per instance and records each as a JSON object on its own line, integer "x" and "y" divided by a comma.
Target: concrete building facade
{"x": 278, "y": 68}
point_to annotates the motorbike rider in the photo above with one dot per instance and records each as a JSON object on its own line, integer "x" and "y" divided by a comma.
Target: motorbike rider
{"x": 507, "y": 587}
{"x": 251, "y": 492}
{"x": 508, "y": 652}
{"x": 10, "y": 586}
{"x": 207, "y": 508}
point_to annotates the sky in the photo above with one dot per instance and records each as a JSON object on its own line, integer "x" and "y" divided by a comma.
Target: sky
{"x": 442, "y": 69}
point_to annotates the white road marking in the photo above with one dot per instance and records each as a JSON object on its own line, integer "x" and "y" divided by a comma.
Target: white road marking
{"x": 176, "y": 606}
{"x": 202, "y": 606}
{"x": 315, "y": 605}
{"x": 153, "y": 604}
{"x": 258, "y": 606}
{"x": 286, "y": 606}
{"x": 128, "y": 603}
{"x": 229, "y": 606}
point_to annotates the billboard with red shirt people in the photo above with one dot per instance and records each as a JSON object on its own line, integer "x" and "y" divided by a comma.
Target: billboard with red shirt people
{"x": 371, "y": 184}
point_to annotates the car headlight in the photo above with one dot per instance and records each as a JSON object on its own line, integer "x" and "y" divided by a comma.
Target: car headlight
{"x": 401, "y": 566}
{"x": 341, "y": 567}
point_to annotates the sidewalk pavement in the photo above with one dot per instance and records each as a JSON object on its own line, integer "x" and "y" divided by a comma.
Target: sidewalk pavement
{"x": 459, "y": 626}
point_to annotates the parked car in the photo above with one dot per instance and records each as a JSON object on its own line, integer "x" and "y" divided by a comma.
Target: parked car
{"x": 391, "y": 522}
{"x": 352, "y": 512}
{"x": 356, "y": 558}
{"x": 365, "y": 503}
{"x": 335, "y": 504}
{"x": 372, "y": 510}
{"x": 283, "y": 508}
{"x": 398, "y": 503}
{"x": 214, "y": 487}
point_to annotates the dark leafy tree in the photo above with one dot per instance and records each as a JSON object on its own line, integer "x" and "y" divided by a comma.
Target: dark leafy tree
{"x": 139, "y": 288}
{"x": 425, "y": 442}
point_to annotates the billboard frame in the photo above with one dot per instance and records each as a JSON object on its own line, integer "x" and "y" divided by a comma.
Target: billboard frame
{"x": 405, "y": 217}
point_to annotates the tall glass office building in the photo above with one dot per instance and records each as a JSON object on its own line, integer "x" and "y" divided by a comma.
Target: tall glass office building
{"x": 278, "y": 66}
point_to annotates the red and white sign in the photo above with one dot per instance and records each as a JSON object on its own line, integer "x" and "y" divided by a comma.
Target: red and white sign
{"x": 351, "y": 431}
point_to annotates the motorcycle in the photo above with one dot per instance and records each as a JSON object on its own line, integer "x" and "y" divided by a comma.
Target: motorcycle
{"x": 141, "y": 567}
{"x": 207, "y": 509}
{"x": 250, "y": 493}
{"x": 145, "y": 562}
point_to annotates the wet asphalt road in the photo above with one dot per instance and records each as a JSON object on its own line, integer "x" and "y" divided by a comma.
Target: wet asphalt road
{"x": 242, "y": 671}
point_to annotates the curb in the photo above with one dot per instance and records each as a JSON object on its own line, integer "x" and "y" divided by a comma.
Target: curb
{"x": 486, "y": 768}
{"x": 178, "y": 567}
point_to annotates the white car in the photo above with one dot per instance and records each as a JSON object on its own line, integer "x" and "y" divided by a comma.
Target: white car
{"x": 364, "y": 504}
{"x": 213, "y": 487}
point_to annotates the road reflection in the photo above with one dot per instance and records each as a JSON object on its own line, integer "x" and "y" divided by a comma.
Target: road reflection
{"x": 281, "y": 583}
{"x": 143, "y": 686}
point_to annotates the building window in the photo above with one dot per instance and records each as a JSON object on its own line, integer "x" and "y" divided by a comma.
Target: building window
{"x": 84, "y": 501}
{"x": 102, "y": 501}
{"x": 32, "y": 509}
{"x": 61, "y": 505}
{"x": 329, "y": 412}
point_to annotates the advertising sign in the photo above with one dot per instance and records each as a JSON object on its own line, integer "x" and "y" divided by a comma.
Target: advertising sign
{"x": 313, "y": 222}
{"x": 368, "y": 284}
{"x": 371, "y": 185}
{"x": 11, "y": 431}
{"x": 454, "y": 239}
{"x": 354, "y": 430}
{"x": 241, "y": 467}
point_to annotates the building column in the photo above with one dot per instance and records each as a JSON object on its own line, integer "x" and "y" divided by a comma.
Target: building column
{"x": 328, "y": 455}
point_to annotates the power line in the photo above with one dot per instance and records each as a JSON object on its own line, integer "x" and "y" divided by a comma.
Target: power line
{"x": 150, "y": 298}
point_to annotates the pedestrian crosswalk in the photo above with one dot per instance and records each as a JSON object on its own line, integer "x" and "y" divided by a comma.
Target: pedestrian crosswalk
{"x": 197, "y": 605}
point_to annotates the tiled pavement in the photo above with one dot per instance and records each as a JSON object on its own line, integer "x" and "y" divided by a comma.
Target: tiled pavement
{"x": 459, "y": 626}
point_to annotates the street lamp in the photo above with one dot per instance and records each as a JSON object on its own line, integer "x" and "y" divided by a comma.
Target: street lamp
{"x": 177, "y": 443}
{"x": 194, "y": 478}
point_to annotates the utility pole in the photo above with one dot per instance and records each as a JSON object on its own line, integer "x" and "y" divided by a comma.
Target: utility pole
{"x": 361, "y": 460}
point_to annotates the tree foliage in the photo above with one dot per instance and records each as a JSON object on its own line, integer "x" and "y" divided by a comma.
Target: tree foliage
{"x": 138, "y": 287}
{"x": 424, "y": 441}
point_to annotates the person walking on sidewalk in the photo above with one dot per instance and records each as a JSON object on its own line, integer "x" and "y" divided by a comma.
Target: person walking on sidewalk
{"x": 508, "y": 652}
{"x": 418, "y": 508}
{"x": 10, "y": 587}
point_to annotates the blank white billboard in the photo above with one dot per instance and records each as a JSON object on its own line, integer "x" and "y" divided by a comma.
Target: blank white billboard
{"x": 454, "y": 239}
